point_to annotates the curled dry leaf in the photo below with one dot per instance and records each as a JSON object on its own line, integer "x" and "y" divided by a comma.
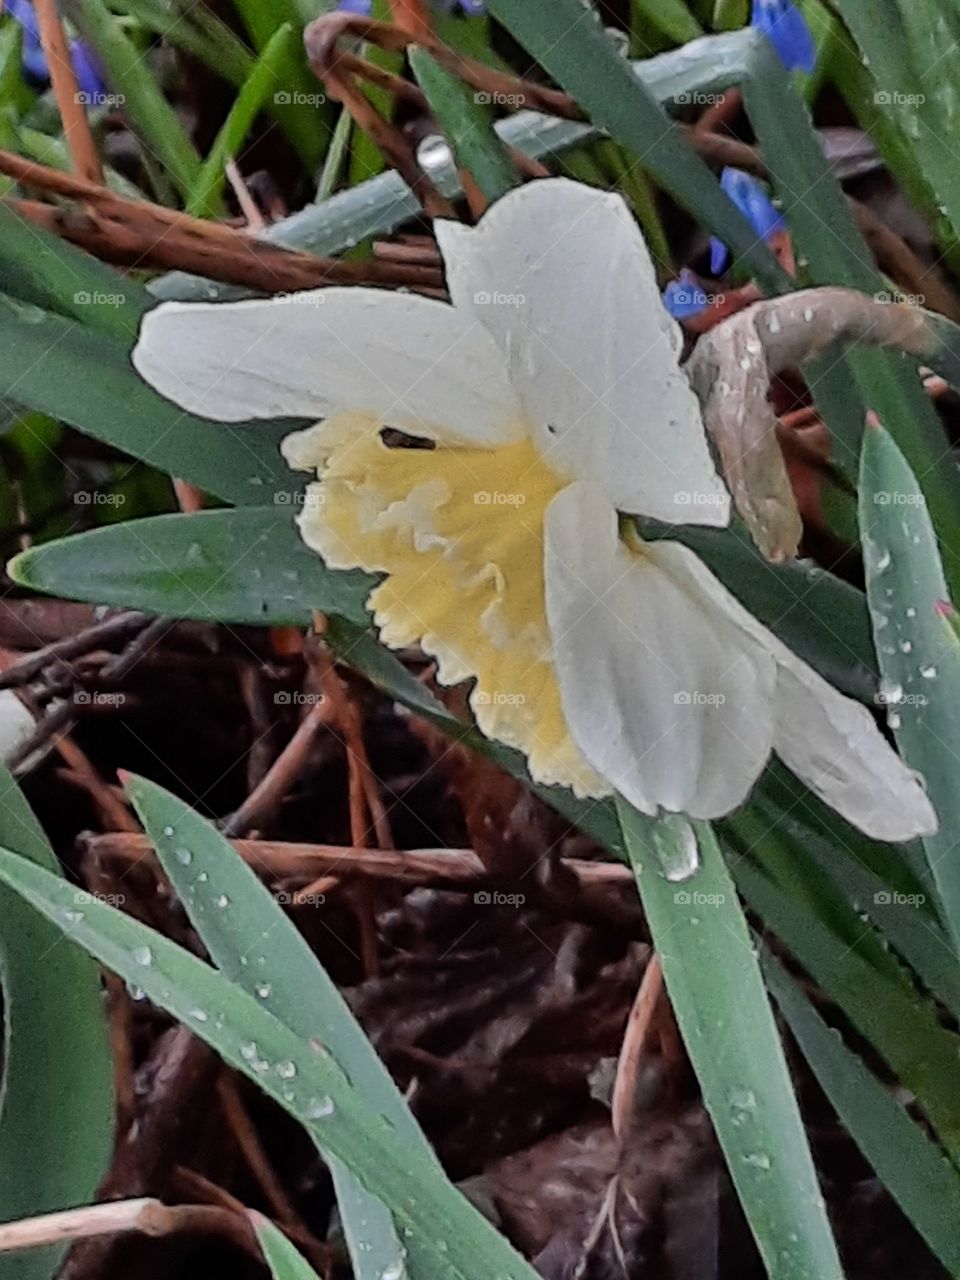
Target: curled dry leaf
{"x": 731, "y": 370}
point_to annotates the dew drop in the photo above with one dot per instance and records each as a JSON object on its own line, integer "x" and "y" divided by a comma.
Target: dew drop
{"x": 143, "y": 955}
{"x": 73, "y": 917}
{"x": 263, "y": 990}
{"x": 320, "y": 1108}
{"x": 183, "y": 856}
{"x": 223, "y": 901}
{"x": 168, "y": 831}
{"x": 286, "y": 1070}
{"x": 929, "y": 673}
{"x": 200, "y": 1015}
{"x": 759, "y": 1159}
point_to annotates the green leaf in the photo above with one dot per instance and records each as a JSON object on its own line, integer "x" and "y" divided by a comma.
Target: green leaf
{"x": 140, "y": 98}
{"x": 919, "y": 657}
{"x": 40, "y": 268}
{"x": 468, "y": 124}
{"x": 204, "y": 870}
{"x": 245, "y": 565}
{"x": 911, "y": 1167}
{"x": 302, "y": 1076}
{"x": 672, "y": 17}
{"x": 56, "y": 1099}
{"x": 827, "y": 239}
{"x": 285, "y": 1262}
{"x": 902, "y": 1025}
{"x": 716, "y": 989}
{"x": 257, "y": 90}
{"x": 45, "y": 364}
{"x": 566, "y": 38}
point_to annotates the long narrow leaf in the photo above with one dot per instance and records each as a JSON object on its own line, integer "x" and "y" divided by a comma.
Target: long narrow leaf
{"x": 204, "y": 870}
{"x": 919, "y": 657}
{"x": 717, "y": 993}
{"x": 56, "y": 1098}
{"x": 301, "y": 1075}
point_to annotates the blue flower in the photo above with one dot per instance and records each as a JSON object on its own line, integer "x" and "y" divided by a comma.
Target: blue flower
{"x": 89, "y": 79}
{"x": 685, "y": 298}
{"x": 754, "y": 203}
{"x": 786, "y": 28}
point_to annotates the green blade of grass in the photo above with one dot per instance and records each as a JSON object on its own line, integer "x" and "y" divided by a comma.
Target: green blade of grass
{"x": 244, "y": 565}
{"x": 285, "y": 1262}
{"x": 566, "y": 39}
{"x": 255, "y": 93}
{"x": 204, "y": 870}
{"x": 717, "y": 993}
{"x": 919, "y": 657}
{"x": 887, "y": 1009}
{"x": 56, "y": 1096}
{"x": 42, "y": 269}
{"x": 915, "y": 1172}
{"x": 302, "y": 1076}
{"x": 468, "y": 125}
{"x": 142, "y": 101}
{"x": 45, "y": 365}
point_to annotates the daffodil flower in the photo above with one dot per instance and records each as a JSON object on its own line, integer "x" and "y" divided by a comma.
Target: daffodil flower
{"x": 481, "y": 456}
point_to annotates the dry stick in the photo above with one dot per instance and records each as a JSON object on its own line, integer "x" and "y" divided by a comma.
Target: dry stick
{"x": 197, "y": 1187}
{"x": 448, "y": 868}
{"x": 138, "y": 238}
{"x": 279, "y": 778}
{"x": 253, "y": 1153}
{"x": 622, "y": 1105}
{"x": 67, "y": 91}
{"x": 118, "y": 627}
{"x": 322, "y": 35}
{"x": 364, "y": 798}
{"x": 113, "y": 812}
{"x": 146, "y": 1216}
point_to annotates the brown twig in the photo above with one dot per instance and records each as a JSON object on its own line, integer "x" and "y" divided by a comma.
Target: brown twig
{"x": 280, "y": 777}
{"x": 67, "y": 91}
{"x": 448, "y": 868}
{"x": 622, "y": 1105}
{"x": 119, "y": 627}
{"x": 145, "y": 1216}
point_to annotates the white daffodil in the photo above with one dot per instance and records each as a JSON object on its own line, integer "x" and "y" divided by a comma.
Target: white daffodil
{"x": 545, "y": 401}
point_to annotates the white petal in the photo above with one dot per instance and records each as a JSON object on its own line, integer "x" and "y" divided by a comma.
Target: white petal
{"x": 16, "y": 723}
{"x": 668, "y": 700}
{"x": 829, "y": 741}
{"x": 560, "y": 275}
{"x": 411, "y": 362}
